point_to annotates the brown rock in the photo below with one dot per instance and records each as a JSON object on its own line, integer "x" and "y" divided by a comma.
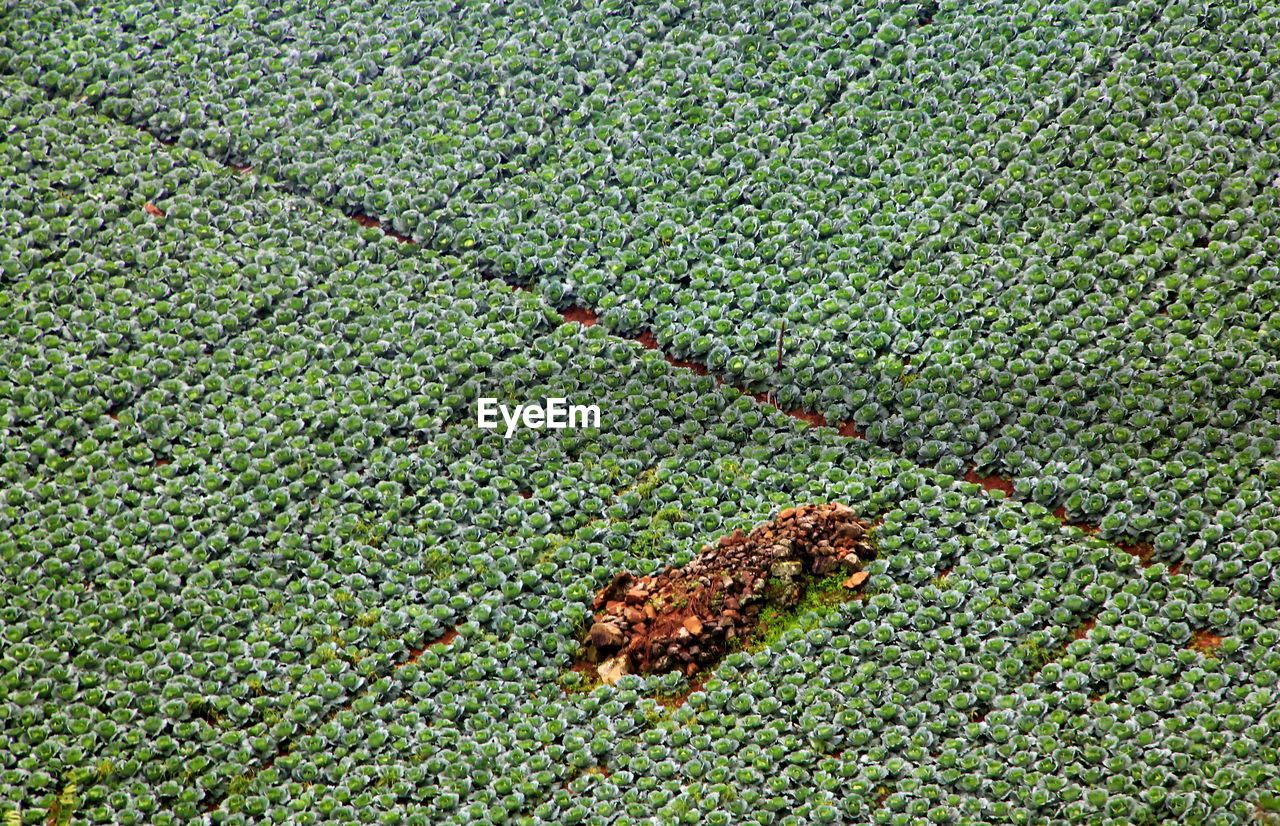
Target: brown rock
{"x": 823, "y": 564}
{"x": 606, "y": 635}
{"x": 850, "y": 530}
{"x": 856, "y": 580}
{"x": 693, "y": 624}
{"x": 637, "y": 595}
{"x": 608, "y": 593}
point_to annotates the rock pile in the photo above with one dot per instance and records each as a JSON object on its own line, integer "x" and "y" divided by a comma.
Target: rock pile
{"x": 686, "y": 617}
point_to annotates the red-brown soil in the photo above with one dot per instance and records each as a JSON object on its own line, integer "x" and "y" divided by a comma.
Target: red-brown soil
{"x": 1084, "y": 629}
{"x": 1142, "y": 550}
{"x": 850, "y": 430}
{"x": 1206, "y": 642}
{"x": 700, "y": 369}
{"x": 580, "y": 315}
{"x": 369, "y": 221}
{"x": 1060, "y": 513}
{"x": 587, "y": 670}
{"x": 685, "y": 618}
{"x": 444, "y": 639}
{"x": 815, "y": 419}
{"x": 152, "y": 209}
{"x": 990, "y": 482}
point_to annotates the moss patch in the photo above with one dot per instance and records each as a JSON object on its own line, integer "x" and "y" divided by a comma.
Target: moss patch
{"x": 818, "y": 599}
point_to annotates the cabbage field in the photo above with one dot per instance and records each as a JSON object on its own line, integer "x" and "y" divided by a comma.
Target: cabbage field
{"x": 1002, "y": 276}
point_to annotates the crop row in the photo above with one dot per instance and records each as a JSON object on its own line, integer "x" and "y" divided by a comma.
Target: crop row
{"x": 253, "y": 539}
{"x": 978, "y": 265}
{"x": 168, "y": 674}
{"x": 318, "y": 447}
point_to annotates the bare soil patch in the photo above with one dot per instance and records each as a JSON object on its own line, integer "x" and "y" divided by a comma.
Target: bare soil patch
{"x": 580, "y": 315}
{"x": 990, "y": 482}
{"x": 1206, "y": 642}
{"x": 1142, "y": 550}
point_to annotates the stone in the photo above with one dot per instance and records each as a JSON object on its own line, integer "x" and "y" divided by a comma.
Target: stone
{"x": 856, "y": 580}
{"x": 692, "y": 612}
{"x": 613, "y": 669}
{"x": 850, "y": 530}
{"x": 787, "y": 571}
{"x": 606, "y": 635}
{"x": 823, "y": 564}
